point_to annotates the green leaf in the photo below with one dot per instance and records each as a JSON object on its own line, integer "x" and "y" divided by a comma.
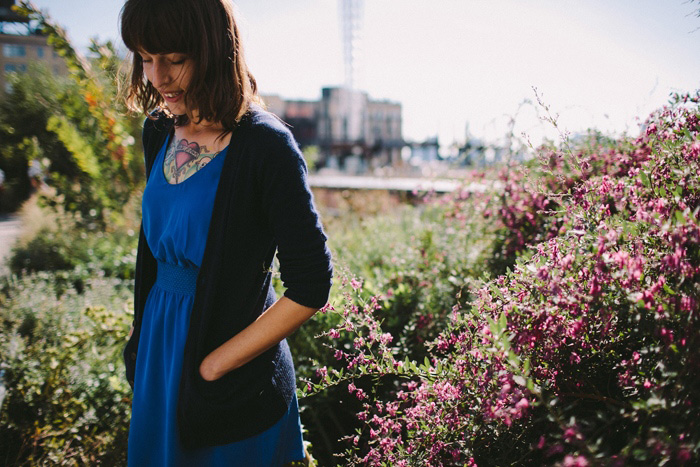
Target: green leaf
{"x": 496, "y": 291}
{"x": 679, "y": 217}
{"x": 645, "y": 179}
{"x": 77, "y": 145}
{"x": 503, "y": 321}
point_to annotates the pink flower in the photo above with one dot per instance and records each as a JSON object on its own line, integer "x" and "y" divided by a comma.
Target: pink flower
{"x": 522, "y": 404}
{"x": 541, "y": 442}
{"x": 594, "y": 288}
{"x": 683, "y": 455}
{"x": 634, "y": 266}
{"x": 572, "y": 434}
{"x": 687, "y": 303}
{"x": 578, "y": 461}
{"x": 567, "y": 261}
{"x": 620, "y": 257}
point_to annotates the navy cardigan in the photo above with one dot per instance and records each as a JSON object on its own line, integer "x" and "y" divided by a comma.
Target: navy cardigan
{"x": 263, "y": 205}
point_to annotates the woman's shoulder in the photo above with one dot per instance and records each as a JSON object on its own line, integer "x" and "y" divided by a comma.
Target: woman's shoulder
{"x": 268, "y": 130}
{"x": 158, "y": 120}
{"x": 270, "y": 145}
{"x": 156, "y": 126}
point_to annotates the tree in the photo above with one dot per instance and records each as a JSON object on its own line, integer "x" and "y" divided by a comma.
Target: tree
{"x": 80, "y": 126}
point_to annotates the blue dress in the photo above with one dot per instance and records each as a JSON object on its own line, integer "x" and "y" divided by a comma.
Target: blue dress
{"x": 176, "y": 221}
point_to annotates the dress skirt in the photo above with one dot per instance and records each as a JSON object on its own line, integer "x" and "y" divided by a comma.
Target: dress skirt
{"x": 176, "y": 221}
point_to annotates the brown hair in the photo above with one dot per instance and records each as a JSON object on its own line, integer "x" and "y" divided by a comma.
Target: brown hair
{"x": 221, "y": 88}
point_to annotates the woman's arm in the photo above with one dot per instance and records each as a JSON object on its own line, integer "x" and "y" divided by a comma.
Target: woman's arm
{"x": 276, "y": 323}
{"x": 304, "y": 258}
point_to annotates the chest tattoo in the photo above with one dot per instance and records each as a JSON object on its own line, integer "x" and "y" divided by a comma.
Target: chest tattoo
{"x": 183, "y": 159}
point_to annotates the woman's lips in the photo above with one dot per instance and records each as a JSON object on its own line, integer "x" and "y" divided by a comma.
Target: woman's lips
{"x": 172, "y": 97}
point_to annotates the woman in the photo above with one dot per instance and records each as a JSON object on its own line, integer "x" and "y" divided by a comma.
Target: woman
{"x": 212, "y": 374}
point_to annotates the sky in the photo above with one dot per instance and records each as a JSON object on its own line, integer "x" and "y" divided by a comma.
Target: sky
{"x": 466, "y": 65}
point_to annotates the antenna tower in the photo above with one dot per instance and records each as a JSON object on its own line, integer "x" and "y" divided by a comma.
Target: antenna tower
{"x": 351, "y": 14}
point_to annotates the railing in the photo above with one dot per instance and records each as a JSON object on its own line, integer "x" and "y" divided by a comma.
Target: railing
{"x": 348, "y": 182}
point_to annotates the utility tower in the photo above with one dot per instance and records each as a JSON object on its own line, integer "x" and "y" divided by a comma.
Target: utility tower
{"x": 351, "y": 14}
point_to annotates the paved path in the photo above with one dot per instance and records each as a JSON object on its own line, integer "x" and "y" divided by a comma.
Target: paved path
{"x": 9, "y": 231}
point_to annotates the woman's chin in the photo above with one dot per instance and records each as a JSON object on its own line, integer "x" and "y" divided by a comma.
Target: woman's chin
{"x": 176, "y": 110}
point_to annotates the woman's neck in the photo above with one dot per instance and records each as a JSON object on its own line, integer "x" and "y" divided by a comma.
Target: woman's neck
{"x": 204, "y": 132}
{"x": 201, "y": 127}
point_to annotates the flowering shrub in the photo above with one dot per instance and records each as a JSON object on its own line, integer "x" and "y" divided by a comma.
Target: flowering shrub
{"x": 416, "y": 262}
{"x": 583, "y": 353}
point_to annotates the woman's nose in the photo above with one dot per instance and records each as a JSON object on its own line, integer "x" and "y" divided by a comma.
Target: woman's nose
{"x": 161, "y": 74}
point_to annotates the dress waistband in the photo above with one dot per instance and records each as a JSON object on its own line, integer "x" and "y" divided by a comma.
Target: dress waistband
{"x": 177, "y": 279}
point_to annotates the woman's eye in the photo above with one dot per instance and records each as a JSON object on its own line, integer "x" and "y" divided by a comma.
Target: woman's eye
{"x": 177, "y": 62}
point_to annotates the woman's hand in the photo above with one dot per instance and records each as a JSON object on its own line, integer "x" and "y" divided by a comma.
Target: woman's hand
{"x": 276, "y": 323}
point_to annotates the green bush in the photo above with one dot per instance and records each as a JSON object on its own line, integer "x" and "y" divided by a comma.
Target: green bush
{"x": 67, "y": 400}
{"x": 76, "y": 245}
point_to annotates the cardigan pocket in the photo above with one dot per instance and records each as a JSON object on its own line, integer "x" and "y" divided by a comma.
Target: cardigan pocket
{"x": 240, "y": 404}
{"x": 242, "y": 380}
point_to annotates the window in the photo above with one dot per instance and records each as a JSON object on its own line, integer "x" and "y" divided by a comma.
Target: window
{"x": 10, "y": 67}
{"x": 13, "y": 50}
{"x": 40, "y": 52}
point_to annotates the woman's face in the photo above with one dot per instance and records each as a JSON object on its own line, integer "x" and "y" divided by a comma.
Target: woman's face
{"x": 170, "y": 74}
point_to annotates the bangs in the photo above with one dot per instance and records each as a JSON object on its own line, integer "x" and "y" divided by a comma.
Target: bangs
{"x": 159, "y": 27}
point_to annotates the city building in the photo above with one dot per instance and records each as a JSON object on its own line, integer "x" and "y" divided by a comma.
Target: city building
{"x": 425, "y": 152}
{"x": 21, "y": 44}
{"x": 353, "y": 133}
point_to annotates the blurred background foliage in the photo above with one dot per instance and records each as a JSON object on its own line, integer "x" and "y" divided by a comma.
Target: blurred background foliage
{"x": 75, "y": 128}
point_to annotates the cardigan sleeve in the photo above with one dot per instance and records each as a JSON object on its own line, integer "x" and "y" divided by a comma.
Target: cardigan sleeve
{"x": 304, "y": 258}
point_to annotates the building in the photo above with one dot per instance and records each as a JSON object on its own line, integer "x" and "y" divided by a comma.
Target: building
{"x": 353, "y": 132}
{"x": 425, "y": 152}
{"x": 21, "y": 45}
